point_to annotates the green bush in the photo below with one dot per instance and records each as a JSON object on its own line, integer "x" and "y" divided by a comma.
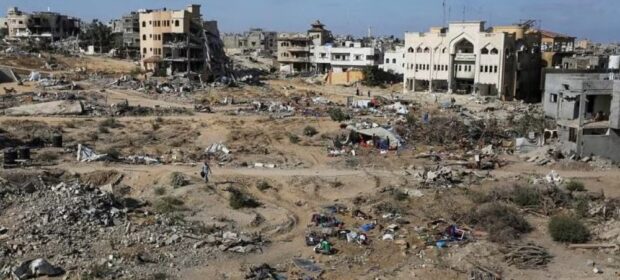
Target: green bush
{"x": 310, "y": 131}
{"x": 240, "y": 200}
{"x": 294, "y": 139}
{"x": 263, "y": 185}
{"x": 581, "y": 207}
{"x": 337, "y": 115}
{"x": 568, "y": 229}
{"x": 159, "y": 190}
{"x": 575, "y": 186}
{"x": 177, "y": 180}
{"x": 168, "y": 204}
{"x": 502, "y": 222}
{"x": 526, "y": 196}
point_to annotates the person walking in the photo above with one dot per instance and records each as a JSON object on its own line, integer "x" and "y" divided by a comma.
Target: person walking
{"x": 206, "y": 169}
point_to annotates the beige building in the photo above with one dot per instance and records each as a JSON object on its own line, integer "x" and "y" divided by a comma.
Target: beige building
{"x": 294, "y": 52}
{"x": 172, "y": 39}
{"x": 467, "y": 58}
{"x": 555, "y": 47}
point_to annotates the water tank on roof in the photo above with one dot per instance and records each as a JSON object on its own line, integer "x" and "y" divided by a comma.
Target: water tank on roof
{"x": 614, "y": 62}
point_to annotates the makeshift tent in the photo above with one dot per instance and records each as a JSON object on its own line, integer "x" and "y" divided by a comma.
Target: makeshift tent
{"x": 394, "y": 139}
{"x": 86, "y": 154}
{"x": 399, "y": 108}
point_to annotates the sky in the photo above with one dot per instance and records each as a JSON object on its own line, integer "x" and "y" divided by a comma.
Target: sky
{"x": 598, "y": 20}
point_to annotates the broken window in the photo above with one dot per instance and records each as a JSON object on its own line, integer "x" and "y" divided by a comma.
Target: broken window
{"x": 553, "y": 98}
{"x": 572, "y": 135}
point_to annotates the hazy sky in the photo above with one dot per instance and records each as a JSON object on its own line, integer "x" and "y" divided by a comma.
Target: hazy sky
{"x": 598, "y": 20}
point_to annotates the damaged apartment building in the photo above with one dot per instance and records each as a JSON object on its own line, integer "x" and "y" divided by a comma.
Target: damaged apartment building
{"x": 40, "y": 25}
{"x": 254, "y": 40}
{"x": 179, "y": 41}
{"x": 317, "y": 51}
{"x": 127, "y": 30}
{"x": 586, "y": 107}
{"x": 466, "y": 58}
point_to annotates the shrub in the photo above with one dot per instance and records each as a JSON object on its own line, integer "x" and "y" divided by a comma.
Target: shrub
{"x": 526, "y": 196}
{"x": 177, "y": 180}
{"x": 48, "y": 156}
{"x": 159, "y": 120}
{"x": 337, "y": 115}
{"x": 240, "y": 200}
{"x": 581, "y": 207}
{"x": 168, "y": 204}
{"x": 294, "y": 139}
{"x": 159, "y": 190}
{"x": 310, "y": 131}
{"x": 399, "y": 195}
{"x": 575, "y": 186}
{"x": 155, "y": 126}
{"x": 263, "y": 185}
{"x": 103, "y": 129}
{"x": 109, "y": 122}
{"x": 568, "y": 229}
{"x": 502, "y": 222}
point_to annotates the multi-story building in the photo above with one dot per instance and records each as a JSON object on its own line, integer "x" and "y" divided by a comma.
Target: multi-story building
{"x": 4, "y": 27}
{"x": 179, "y": 41}
{"x": 128, "y": 28}
{"x": 586, "y": 107}
{"x": 555, "y": 47}
{"x": 467, "y": 58}
{"x": 343, "y": 56}
{"x": 255, "y": 39}
{"x": 394, "y": 60}
{"x": 294, "y": 52}
{"x": 53, "y": 26}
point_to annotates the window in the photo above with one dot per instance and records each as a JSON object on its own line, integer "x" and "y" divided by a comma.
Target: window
{"x": 151, "y": 36}
{"x": 427, "y": 50}
{"x": 144, "y": 37}
{"x": 494, "y": 51}
{"x": 416, "y": 67}
{"x": 144, "y": 50}
{"x": 443, "y": 50}
{"x": 484, "y": 51}
{"x": 486, "y": 69}
{"x": 150, "y": 22}
{"x": 410, "y": 50}
{"x": 144, "y": 24}
{"x": 495, "y": 68}
{"x": 394, "y": 60}
{"x": 460, "y": 69}
{"x": 387, "y": 61}
{"x": 572, "y": 135}
{"x": 481, "y": 68}
{"x": 553, "y": 98}
{"x": 176, "y": 23}
{"x": 419, "y": 50}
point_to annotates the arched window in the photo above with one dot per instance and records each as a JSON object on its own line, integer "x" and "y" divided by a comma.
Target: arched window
{"x": 427, "y": 50}
{"x": 444, "y": 50}
{"x": 144, "y": 24}
{"x": 410, "y": 50}
{"x": 419, "y": 50}
{"x": 494, "y": 51}
{"x": 484, "y": 51}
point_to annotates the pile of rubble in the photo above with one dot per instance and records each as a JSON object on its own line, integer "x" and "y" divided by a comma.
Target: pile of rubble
{"x": 447, "y": 177}
{"x": 79, "y": 227}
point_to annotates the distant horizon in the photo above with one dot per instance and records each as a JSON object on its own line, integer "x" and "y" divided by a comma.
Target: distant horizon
{"x": 595, "y": 20}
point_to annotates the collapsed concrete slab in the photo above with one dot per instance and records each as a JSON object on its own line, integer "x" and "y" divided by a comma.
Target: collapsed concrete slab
{"x": 62, "y": 107}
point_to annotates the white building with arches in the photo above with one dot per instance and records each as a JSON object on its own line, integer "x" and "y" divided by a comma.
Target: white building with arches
{"x": 467, "y": 58}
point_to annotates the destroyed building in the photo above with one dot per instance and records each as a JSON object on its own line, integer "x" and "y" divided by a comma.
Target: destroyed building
{"x": 50, "y": 25}
{"x": 256, "y": 39}
{"x": 586, "y": 107}
{"x": 585, "y": 62}
{"x": 555, "y": 47}
{"x": 127, "y": 30}
{"x": 294, "y": 52}
{"x": 4, "y": 27}
{"x": 180, "y": 42}
{"x": 465, "y": 57}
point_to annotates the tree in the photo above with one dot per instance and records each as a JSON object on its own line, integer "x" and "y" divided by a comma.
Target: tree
{"x": 373, "y": 76}
{"x": 98, "y": 34}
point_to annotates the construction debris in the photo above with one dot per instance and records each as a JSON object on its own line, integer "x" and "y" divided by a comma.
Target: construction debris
{"x": 527, "y": 256}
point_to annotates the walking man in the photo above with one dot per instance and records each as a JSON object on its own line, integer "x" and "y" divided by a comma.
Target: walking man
{"x": 206, "y": 169}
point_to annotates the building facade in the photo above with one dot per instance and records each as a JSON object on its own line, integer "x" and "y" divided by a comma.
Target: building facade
{"x": 256, "y": 39}
{"x": 179, "y": 41}
{"x": 53, "y": 26}
{"x": 467, "y": 58}
{"x": 394, "y": 61}
{"x": 586, "y": 107}
{"x": 294, "y": 52}
{"x": 127, "y": 28}
{"x": 555, "y": 47}
{"x": 585, "y": 62}
{"x": 343, "y": 56}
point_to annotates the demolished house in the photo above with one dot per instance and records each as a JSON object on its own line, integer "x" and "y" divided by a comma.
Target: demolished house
{"x": 179, "y": 41}
{"x": 41, "y": 25}
{"x": 586, "y": 107}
